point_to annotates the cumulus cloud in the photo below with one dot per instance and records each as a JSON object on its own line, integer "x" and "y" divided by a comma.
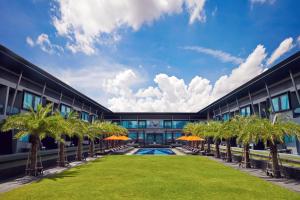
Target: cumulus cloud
{"x": 45, "y": 44}
{"x": 115, "y": 85}
{"x": 285, "y": 46}
{"x": 221, "y": 55}
{"x": 87, "y": 23}
{"x": 252, "y": 67}
{"x": 173, "y": 94}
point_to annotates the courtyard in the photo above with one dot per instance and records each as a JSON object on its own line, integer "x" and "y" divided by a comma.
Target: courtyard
{"x": 151, "y": 177}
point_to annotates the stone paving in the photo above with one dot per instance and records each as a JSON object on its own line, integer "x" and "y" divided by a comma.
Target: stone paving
{"x": 290, "y": 184}
{"x": 18, "y": 182}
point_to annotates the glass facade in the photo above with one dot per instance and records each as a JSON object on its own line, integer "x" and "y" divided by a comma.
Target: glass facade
{"x": 129, "y": 123}
{"x": 31, "y": 101}
{"x": 281, "y": 103}
{"x": 132, "y": 135}
{"x": 142, "y": 124}
{"x": 167, "y": 124}
{"x": 65, "y": 110}
{"x": 179, "y": 124}
{"x": 84, "y": 116}
{"x": 246, "y": 111}
{"x": 226, "y": 117}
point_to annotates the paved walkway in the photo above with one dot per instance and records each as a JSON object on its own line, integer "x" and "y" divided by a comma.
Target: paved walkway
{"x": 290, "y": 184}
{"x": 18, "y": 182}
{"x": 178, "y": 153}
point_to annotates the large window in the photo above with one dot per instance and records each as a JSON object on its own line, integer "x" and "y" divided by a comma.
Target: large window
{"x": 65, "y": 110}
{"x": 31, "y": 101}
{"x": 84, "y": 116}
{"x": 246, "y": 111}
{"x": 226, "y": 117}
{"x": 179, "y": 124}
{"x": 167, "y": 124}
{"x": 133, "y": 135}
{"x": 129, "y": 124}
{"x": 142, "y": 124}
{"x": 281, "y": 103}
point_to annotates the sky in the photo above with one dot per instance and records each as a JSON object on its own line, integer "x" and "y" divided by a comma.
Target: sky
{"x": 152, "y": 55}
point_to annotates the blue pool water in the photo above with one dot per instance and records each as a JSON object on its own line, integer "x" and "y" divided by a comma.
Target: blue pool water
{"x": 154, "y": 151}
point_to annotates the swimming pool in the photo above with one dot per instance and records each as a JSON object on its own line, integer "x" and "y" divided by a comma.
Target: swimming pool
{"x": 154, "y": 151}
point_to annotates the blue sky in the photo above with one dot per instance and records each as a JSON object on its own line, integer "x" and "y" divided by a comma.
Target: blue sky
{"x": 155, "y": 55}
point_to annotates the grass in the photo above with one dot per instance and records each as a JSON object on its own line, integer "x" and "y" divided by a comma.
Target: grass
{"x": 151, "y": 177}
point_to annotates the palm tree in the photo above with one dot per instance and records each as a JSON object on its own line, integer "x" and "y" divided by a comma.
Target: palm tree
{"x": 79, "y": 129}
{"x": 248, "y": 129}
{"x": 199, "y": 130}
{"x": 38, "y": 125}
{"x": 61, "y": 129}
{"x": 273, "y": 133}
{"x": 94, "y": 130}
{"x": 227, "y": 133}
{"x": 213, "y": 129}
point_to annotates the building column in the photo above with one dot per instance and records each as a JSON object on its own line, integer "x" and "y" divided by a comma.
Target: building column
{"x": 295, "y": 86}
{"x": 270, "y": 98}
{"x": 43, "y": 93}
{"x": 238, "y": 104}
{"x": 6, "y": 101}
{"x": 250, "y": 98}
{"x": 16, "y": 92}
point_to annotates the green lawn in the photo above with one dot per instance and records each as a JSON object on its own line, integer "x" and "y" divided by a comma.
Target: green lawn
{"x": 151, "y": 177}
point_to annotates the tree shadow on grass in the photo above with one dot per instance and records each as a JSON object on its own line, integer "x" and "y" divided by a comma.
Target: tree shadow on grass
{"x": 65, "y": 174}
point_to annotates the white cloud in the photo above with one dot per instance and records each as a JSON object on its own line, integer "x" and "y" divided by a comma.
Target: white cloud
{"x": 221, "y": 55}
{"x": 29, "y": 41}
{"x": 298, "y": 40}
{"x": 252, "y": 67}
{"x": 262, "y": 2}
{"x": 115, "y": 84}
{"x": 45, "y": 44}
{"x": 87, "y": 23}
{"x": 285, "y": 46}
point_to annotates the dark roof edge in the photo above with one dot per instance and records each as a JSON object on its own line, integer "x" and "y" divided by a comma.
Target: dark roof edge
{"x": 47, "y": 75}
{"x": 190, "y": 113}
{"x": 271, "y": 70}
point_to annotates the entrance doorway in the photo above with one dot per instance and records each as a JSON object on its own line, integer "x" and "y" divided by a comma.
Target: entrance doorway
{"x": 154, "y": 138}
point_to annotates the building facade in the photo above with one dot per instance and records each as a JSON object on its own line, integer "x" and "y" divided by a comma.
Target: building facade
{"x": 24, "y": 85}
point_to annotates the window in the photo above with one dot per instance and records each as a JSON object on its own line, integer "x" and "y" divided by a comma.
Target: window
{"x": 31, "y": 101}
{"x": 129, "y": 124}
{"x": 142, "y": 124}
{"x": 246, "y": 111}
{"x": 281, "y": 103}
{"x": 84, "y": 116}
{"x": 167, "y": 124}
{"x": 226, "y": 117}
{"x": 64, "y": 110}
{"x": 132, "y": 135}
{"x": 179, "y": 124}
{"x": 93, "y": 118}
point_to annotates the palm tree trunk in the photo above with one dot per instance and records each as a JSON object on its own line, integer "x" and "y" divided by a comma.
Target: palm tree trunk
{"x": 202, "y": 146}
{"x": 92, "y": 148}
{"x": 33, "y": 156}
{"x": 275, "y": 163}
{"x": 208, "y": 145}
{"x": 228, "y": 149}
{"x": 217, "y": 153}
{"x": 247, "y": 156}
{"x": 79, "y": 149}
{"x": 61, "y": 161}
